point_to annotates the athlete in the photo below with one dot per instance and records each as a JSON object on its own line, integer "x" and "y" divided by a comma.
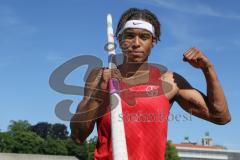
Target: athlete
{"x": 147, "y": 93}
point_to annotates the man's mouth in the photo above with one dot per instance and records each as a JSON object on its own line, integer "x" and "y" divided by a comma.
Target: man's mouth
{"x": 136, "y": 53}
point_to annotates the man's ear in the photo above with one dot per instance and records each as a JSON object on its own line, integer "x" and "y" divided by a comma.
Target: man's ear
{"x": 153, "y": 42}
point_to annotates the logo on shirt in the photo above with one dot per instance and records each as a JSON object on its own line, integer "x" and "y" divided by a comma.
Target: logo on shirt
{"x": 152, "y": 91}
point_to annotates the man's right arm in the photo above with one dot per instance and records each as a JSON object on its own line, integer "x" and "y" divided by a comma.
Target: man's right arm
{"x": 81, "y": 128}
{"x": 90, "y": 108}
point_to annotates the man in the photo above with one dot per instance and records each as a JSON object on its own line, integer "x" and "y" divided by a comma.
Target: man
{"x": 146, "y": 132}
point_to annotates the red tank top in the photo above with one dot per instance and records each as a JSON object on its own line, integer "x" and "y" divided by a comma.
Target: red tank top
{"x": 145, "y": 115}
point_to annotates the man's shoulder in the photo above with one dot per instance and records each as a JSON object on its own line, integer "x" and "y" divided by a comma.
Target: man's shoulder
{"x": 168, "y": 75}
{"x": 176, "y": 79}
{"x": 173, "y": 76}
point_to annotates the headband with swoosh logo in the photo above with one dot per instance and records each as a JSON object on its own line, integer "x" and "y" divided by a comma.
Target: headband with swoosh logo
{"x": 138, "y": 24}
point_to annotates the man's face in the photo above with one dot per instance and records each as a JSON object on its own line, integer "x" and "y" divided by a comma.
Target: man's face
{"x": 136, "y": 44}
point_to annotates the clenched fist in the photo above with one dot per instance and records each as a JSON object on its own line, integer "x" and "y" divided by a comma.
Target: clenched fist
{"x": 196, "y": 58}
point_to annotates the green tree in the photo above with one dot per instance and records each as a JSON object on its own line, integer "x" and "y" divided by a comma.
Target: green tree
{"x": 7, "y": 142}
{"x": 80, "y": 151}
{"x": 43, "y": 138}
{"x": 91, "y": 147}
{"x": 54, "y": 147}
{"x": 171, "y": 152}
{"x": 43, "y": 129}
{"x": 21, "y": 125}
{"x": 59, "y": 131}
{"x": 26, "y": 142}
{"x": 19, "y": 138}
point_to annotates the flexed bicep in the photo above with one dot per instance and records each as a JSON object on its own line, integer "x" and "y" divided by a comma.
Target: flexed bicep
{"x": 191, "y": 99}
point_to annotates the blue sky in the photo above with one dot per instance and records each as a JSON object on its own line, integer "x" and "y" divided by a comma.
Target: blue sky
{"x": 38, "y": 36}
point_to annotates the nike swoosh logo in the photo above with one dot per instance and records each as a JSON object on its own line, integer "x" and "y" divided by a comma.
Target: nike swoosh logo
{"x": 136, "y": 23}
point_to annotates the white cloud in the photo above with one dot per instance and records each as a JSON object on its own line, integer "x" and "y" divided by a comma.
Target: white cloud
{"x": 193, "y": 7}
{"x": 13, "y": 25}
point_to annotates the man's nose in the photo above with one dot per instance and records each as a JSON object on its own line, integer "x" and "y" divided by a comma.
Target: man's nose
{"x": 136, "y": 42}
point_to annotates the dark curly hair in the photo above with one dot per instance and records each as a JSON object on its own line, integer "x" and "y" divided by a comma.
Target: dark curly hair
{"x": 136, "y": 14}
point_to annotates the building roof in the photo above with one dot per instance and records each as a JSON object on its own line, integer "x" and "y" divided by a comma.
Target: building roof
{"x": 189, "y": 145}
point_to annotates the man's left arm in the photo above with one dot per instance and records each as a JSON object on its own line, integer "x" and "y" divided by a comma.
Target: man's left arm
{"x": 213, "y": 106}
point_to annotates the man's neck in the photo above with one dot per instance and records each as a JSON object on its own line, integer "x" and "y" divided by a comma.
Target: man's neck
{"x": 133, "y": 69}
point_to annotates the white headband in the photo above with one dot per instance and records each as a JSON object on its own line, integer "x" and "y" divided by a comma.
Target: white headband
{"x": 138, "y": 24}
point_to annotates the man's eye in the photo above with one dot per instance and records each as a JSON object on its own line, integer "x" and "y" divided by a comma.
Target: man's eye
{"x": 128, "y": 36}
{"x": 145, "y": 36}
